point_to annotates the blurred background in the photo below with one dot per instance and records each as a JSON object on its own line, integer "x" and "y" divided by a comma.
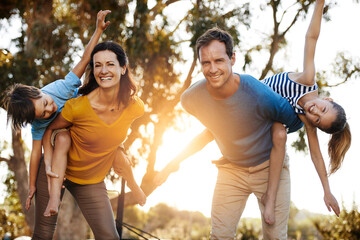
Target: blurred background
{"x": 40, "y": 41}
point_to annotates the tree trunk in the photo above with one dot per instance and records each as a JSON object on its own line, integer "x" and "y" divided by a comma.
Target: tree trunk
{"x": 18, "y": 166}
{"x": 71, "y": 222}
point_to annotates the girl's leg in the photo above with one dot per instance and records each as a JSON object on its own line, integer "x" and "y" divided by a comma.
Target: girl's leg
{"x": 122, "y": 167}
{"x": 44, "y": 226}
{"x": 95, "y": 205}
{"x": 277, "y": 156}
{"x": 58, "y": 166}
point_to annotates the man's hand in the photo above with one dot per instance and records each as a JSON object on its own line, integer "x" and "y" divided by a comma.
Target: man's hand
{"x": 161, "y": 177}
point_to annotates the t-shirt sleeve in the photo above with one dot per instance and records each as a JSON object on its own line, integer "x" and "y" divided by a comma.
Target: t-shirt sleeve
{"x": 67, "y": 112}
{"x": 280, "y": 110}
{"x": 139, "y": 107}
{"x": 67, "y": 88}
{"x": 37, "y": 132}
{"x": 186, "y": 102}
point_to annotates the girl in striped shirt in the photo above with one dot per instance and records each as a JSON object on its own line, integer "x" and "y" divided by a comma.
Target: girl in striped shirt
{"x": 300, "y": 89}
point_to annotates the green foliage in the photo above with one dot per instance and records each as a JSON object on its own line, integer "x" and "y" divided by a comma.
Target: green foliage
{"x": 12, "y": 219}
{"x": 346, "y": 226}
{"x": 300, "y": 225}
{"x": 201, "y": 20}
{"x": 346, "y": 67}
{"x": 300, "y": 143}
{"x": 249, "y": 229}
{"x": 167, "y": 222}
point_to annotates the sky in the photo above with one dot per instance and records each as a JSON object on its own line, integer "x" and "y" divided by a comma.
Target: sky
{"x": 192, "y": 186}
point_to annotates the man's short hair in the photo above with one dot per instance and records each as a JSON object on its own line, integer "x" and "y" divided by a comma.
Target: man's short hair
{"x": 216, "y": 34}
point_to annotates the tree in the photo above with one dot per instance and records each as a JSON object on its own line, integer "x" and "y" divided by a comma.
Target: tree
{"x": 11, "y": 218}
{"x": 154, "y": 42}
{"x": 346, "y": 226}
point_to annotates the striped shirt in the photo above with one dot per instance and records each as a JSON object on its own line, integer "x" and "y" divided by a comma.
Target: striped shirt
{"x": 288, "y": 89}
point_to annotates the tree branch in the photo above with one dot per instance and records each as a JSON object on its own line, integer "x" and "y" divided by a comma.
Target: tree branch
{"x": 4, "y": 159}
{"x": 160, "y": 6}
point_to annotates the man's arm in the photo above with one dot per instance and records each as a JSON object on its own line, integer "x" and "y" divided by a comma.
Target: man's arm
{"x": 196, "y": 144}
{"x": 101, "y": 25}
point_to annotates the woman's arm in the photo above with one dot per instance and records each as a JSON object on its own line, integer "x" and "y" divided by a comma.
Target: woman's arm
{"x": 101, "y": 25}
{"x": 311, "y": 38}
{"x": 196, "y": 144}
{"x": 318, "y": 161}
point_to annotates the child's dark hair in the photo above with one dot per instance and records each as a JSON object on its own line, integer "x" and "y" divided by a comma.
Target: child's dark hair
{"x": 18, "y": 103}
{"x": 127, "y": 85}
{"x": 340, "y": 139}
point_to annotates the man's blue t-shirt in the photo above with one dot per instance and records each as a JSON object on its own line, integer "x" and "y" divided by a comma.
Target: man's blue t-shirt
{"x": 61, "y": 90}
{"x": 241, "y": 124}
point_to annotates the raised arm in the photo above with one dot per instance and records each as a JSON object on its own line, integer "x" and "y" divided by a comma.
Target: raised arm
{"x": 318, "y": 161}
{"x": 101, "y": 25}
{"x": 196, "y": 144}
{"x": 311, "y": 38}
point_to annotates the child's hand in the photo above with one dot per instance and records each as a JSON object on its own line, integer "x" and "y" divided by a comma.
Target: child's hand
{"x": 331, "y": 203}
{"x": 32, "y": 190}
{"x": 161, "y": 177}
{"x": 49, "y": 173}
{"x": 100, "y": 21}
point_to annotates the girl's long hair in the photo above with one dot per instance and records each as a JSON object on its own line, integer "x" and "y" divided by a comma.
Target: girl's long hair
{"x": 127, "y": 85}
{"x": 338, "y": 145}
{"x": 340, "y": 139}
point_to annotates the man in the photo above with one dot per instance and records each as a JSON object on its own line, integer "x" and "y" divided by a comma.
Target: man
{"x": 238, "y": 112}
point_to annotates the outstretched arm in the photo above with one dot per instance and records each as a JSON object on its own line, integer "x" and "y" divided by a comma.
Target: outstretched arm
{"x": 311, "y": 38}
{"x": 316, "y": 157}
{"x": 196, "y": 144}
{"x": 101, "y": 25}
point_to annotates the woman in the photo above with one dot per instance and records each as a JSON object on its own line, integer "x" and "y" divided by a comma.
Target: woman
{"x": 99, "y": 121}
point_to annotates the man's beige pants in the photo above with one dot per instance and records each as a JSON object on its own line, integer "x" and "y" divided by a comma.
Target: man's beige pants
{"x": 233, "y": 187}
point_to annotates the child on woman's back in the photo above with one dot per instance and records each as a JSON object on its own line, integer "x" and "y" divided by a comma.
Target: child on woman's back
{"x": 28, "y": 104}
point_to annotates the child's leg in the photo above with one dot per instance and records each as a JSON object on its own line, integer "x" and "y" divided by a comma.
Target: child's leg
{"x": 122, "y": 167}
{"x": 59, "y": 162}
{"x": 277, "y": 156}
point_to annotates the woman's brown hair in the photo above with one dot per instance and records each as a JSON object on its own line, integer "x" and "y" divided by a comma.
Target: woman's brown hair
{"x": 127, "y": 85}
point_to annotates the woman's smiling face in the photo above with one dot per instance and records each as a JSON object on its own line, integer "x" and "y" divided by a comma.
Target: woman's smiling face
{"x": 107, "y": 69}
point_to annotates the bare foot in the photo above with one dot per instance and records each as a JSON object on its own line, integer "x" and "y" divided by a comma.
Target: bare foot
{"x": 269, "y": 211}
{"x": 52, "y": 207}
